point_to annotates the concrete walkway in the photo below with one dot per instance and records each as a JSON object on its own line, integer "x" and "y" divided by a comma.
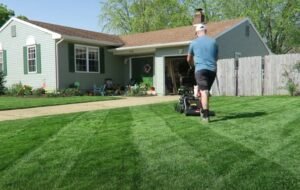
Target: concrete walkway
{"x": 80, "y": 107}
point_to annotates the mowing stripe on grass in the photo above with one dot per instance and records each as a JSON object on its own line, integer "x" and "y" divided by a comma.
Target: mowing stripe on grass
{"x": 232, "y": 163}
{"x": 109, "y": 159}
{"x": 30, "y": 135}
{"x": 170, "y": 163}
{"x": 46, "y": 164}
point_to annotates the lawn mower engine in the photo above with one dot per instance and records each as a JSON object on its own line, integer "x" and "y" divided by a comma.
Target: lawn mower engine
{"x": 188, "y": 103}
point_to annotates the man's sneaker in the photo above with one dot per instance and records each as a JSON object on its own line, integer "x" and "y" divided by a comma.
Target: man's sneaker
{"x": 205, "y": 119}
{"x": 205, "y": 116}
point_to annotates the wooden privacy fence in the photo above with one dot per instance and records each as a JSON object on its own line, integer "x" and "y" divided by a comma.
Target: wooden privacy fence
{"x": 254, "y": 76}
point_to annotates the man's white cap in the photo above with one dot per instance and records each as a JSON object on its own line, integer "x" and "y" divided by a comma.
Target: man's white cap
{"x": 200, "y": 27}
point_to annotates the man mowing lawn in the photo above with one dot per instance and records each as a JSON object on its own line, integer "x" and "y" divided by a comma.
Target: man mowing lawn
{"x": 203, "y": 53}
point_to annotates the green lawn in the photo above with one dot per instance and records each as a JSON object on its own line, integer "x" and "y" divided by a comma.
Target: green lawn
{"x": 252, "y": 143}
{"x": 8, "y": 103}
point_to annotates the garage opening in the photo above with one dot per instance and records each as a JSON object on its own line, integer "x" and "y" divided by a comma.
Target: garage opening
{"x": 175, "y": 68}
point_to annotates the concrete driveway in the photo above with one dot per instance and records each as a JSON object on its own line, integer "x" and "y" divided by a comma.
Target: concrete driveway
{"x": 80, "y": 107}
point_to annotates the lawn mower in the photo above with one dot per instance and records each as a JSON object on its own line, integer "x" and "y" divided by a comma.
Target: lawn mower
{"x": 189, "y": 103}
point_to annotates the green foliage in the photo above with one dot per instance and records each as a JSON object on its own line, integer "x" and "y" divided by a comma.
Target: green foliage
{"x": 275, "y": 19}
{"x": 136, "y": 90}
{"x": 22, "y": 17}
{"x": 5, "y": 14}
{"x": 251, "y": 144}
{"x": 70, "y": 92}
{"x": 15, "y": 90}
{"x": 148, "y": 82}
{"x": 75, "y": 85}
{"x": 19, "y": 89}
{"x": 2, "y": 82}
{"x": 38, "y": 92}
{"x": 127, "y": 16}
{"x": 291, "y": 75}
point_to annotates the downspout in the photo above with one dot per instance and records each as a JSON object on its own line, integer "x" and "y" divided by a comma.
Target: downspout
{"x": 56, "y": 64}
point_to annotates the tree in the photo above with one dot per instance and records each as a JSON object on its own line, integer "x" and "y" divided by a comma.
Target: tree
{"x": 5, "y": 14}
{"x": 276, "y": 20}
{"x": 22, "y": 17}
{"x": 131, "y": 16}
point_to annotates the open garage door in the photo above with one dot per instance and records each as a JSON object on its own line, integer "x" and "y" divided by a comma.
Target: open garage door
{"x": 175, "y": 68}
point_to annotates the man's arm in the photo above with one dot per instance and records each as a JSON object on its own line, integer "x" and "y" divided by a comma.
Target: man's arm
{"x": 190, "y": 56}
{"x": 190, "y": 59}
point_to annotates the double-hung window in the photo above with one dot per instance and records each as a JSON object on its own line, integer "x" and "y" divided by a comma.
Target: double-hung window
{"x": 31, "y": 59}
{"x": 1, "y": 61}
{"x": 86, "y": 59}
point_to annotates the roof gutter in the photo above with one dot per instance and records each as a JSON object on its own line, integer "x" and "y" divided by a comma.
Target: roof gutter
{"x": 56, "y": 64}
{"x": 85, "y": 40}
{"x": 151, "y": 46}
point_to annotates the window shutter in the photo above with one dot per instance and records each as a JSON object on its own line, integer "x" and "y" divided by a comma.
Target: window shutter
{"x": 38, "y": 58}
{"x": 25, "y": 60}
{"x": 102, "y": 60}
{"x": 4, "y": 63}
{"x": 71, "y": 58}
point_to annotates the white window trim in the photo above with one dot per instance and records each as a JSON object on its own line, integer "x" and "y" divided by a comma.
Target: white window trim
{"x": 35, "y": 59}
{"x": 87, "y": 58}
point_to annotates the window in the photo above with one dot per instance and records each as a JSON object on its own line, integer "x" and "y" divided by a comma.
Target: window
{"x": 31, "y": 56}
{"x": 86, "y": 59}
{"x": 247, "y": 31}
{"x": 1, "y": 62}
{"x": 13, "y": 31}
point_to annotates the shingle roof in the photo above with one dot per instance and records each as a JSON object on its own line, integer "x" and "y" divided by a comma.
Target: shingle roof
{"x": 180, "y": 34}
{"x": 173, "y": 35}
{"x": 74, "y": 32}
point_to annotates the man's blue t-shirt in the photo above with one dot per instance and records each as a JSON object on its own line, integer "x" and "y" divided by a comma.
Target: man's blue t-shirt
{"x": 205, "y": 52}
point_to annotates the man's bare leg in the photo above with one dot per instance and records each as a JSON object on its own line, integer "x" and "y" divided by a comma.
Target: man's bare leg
{"x": 205, "y": 103}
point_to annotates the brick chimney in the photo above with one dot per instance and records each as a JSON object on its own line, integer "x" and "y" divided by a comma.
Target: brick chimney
{"x": 199, "y": 16}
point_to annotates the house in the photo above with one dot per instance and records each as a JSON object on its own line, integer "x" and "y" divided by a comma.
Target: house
{"x": 53, "y": 56}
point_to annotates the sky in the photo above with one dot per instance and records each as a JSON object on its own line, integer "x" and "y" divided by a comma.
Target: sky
{"x": 73, "y": 13}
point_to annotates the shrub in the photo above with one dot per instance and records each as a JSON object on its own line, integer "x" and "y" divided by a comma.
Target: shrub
{"x": 291, "y": 75}
{"x": 19, "y": 89}
{"x": 136, "y": 90}
{"x": 2, "y": 82}
{"x": 75, "y": 85}
{"x": 15, "y": 89}
{"x": 71, "y": 92}
{"x": 27, "y": 90}
{"x": 38, "y": 91}
{"x": 53, "y": 94}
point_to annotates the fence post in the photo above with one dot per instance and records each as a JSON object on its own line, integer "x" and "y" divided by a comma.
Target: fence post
{"x": 263, "y": 75}
{"x": 236, "y": 73}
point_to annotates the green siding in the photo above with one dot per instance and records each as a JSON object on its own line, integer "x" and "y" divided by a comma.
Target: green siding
{"x": 114, "y": 68}
{"x": 71, "y": 58}
{"x": 38, "y": 58}
{"x": 25, "y": 64}
{"x": 102, "y": 60}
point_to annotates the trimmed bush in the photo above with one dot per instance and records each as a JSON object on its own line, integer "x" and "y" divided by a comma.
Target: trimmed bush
{"x": 38, "y": 92}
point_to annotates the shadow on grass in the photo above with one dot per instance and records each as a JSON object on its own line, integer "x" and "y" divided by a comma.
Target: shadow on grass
{"x": 240, "y": 115}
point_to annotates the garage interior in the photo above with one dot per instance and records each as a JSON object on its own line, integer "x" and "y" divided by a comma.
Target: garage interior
{"x": 175, "y": 68}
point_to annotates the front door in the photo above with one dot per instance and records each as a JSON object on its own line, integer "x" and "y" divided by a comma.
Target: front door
{"x": 142, "y": 70}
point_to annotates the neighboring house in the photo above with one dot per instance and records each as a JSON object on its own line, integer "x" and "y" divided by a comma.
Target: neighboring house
{"x": 52, "y": 56}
